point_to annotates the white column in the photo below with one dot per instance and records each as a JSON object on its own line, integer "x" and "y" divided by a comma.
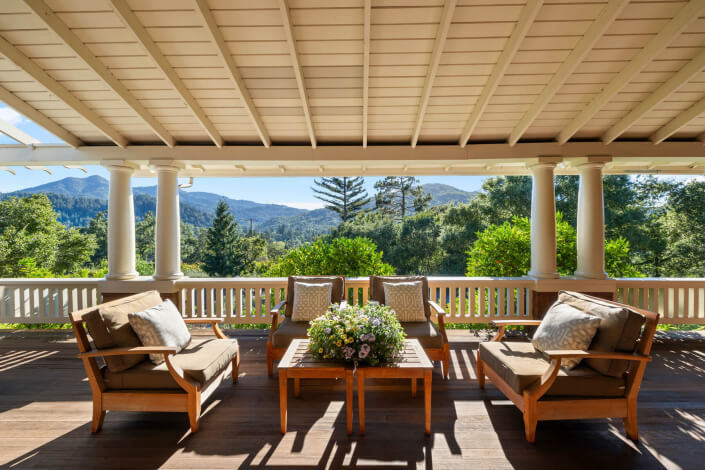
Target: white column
{"x": 591, "y": 223}
{"x": 167, "y": 247}
{"x": 543, "y": 222}
{"x": 121, "y": 225}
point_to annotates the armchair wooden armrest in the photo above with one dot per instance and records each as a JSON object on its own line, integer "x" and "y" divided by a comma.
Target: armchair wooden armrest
{"x": 205, "y": 321}
{"x": 277, "y": 308}
{"x": 437, "y": 309}
{"x": 275, "y": 317}
{"x": 166, "y": 350}
{"x": 503, "y": 324}
{"x": 573, "y": 353}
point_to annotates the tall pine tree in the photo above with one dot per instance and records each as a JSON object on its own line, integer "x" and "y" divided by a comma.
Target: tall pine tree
{"x": 227, "y": 252}
{"x": 400, "y": 196}
{"x": 345, "y": 196}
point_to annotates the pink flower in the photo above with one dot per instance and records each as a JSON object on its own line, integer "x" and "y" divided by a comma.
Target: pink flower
{"x": 364, "y": 351}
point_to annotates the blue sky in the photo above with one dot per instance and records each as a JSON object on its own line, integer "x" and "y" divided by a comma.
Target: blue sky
{"x": 290, "y": 191}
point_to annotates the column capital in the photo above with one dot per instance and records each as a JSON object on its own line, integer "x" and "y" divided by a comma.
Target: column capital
{"x": 543, "y": 162}
{"x": 166, "y": 165}
{"x": 590, "y": 161}
{"x": 118, "y": 167}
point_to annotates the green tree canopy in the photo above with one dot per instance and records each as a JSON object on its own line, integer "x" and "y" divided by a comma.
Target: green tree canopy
{"x": 504, "y": 250}
{"x": 339, "y": 256}
{"x": 227, "y": 253}
{"x": 31, "y": 238}
{"x": 345, "y": 196}
{"x": 400, "y": 196}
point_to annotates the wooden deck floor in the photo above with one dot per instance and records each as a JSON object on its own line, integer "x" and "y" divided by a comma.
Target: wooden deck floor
{"x": 45, "y": 410}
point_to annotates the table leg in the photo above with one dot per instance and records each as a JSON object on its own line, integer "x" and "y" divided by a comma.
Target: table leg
{"x": 297, "y": 387}
{"x": 349, "y": 399}
{"x": 427, "y": 399}
{"x": 282, "y": 399}
{"x": 413, "y": 387}
{"x": 361, "y": 399}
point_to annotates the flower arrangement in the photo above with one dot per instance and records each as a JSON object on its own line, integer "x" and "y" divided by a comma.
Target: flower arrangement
{"x": 364, "y": 335}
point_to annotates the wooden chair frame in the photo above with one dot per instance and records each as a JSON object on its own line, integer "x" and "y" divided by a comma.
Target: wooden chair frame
{"x": 276, "y": 354}
{"x": 190, "y": 399}
{"x": 535, "y": 409}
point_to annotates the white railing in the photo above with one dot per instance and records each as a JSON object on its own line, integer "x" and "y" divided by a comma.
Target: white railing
{"x": 249, "y": 300}
{"x": 677, "y": 300}
{"x": 45, "y": 300}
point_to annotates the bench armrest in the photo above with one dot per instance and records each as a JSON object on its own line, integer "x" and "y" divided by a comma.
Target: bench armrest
{"x": 277, "y": 308}
{"x": 166, "y": 350}
{"x": 574, "y": 353}
{"x": 437, "y": 309}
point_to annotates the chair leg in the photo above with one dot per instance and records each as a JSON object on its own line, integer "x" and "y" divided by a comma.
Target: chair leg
{"x": 630, "y": 422}
{"x": 194, "y": 409}
{"x": 530, "y": 419}
{"x": 236, "y": 367}
{"x": 480, "y": 372}
{"x": 446, "y": 360}
{"x": 270, "y": 360}
{"x": 98, "y": 414}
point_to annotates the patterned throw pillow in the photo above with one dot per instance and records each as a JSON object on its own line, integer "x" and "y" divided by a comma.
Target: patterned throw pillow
{"x": 406, "y": 299}
{"x": 161, "y": 325}
{"x": 310, "y": 300}
{"x": 565, "y": 327}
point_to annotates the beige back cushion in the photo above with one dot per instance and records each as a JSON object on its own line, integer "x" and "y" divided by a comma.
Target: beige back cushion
{"x": 110, "y": 327}
{"x": 337, "y": 294}
{"x": 377, "y": 288}
{"x": 619, "y": 330}
{"x": 565, "y": 327}
{"x": 406, "y": 299}
{"x": 311, "y": 300}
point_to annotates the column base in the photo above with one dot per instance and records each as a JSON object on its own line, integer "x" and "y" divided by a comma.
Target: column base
{"x": 584, "y": 275}
{"x": 538, "y": 275}
{"x": 122, "y": 276}
{"x": 168, "y": 277}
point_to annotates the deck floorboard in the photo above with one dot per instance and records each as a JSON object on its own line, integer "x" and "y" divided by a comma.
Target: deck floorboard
{"x": 45, "y": 410}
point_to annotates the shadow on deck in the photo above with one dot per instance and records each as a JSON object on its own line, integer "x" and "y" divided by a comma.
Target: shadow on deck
{"x": 45, "y": 411}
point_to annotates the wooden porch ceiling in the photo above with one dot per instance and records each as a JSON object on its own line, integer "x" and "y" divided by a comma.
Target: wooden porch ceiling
{"x": 358, "y": 73}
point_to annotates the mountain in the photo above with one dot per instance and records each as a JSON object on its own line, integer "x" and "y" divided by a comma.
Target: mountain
{"x": 302, "y": 227}
{"x": 445, "y": 194}
{"x": 95, "y": 187}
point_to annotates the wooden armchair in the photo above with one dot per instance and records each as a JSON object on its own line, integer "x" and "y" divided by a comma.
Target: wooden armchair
{"x": 181, "y": 384}
{"x": 541, "y": 390}
{"x": 281, "y": 335}
{"x": 433, "y": 340}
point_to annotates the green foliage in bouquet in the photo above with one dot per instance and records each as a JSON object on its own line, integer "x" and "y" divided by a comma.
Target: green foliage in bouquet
{"x": 364, "y": 335}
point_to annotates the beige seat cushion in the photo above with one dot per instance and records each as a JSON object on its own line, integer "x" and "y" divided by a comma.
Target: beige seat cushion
{"x": 110, "y": 328}
{"x": 201, "y": 361}
{"x": 619, "y": 330}
{"x": 520, "y": 365}
{"x": 289, "y": 330}
{"x": 426, "y": 332}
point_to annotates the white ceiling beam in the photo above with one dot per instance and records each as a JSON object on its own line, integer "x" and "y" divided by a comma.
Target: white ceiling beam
{"x": 366, "y": 32}
{"x": 231, "y": 68}
{"x": 441, "y": 34}
{"x": 54, "y": 23}
{"x": 132, "y": 23}
{"x": 598, "y": 27}
{"x": 653, "y": 48}
{"x": 528, "y": 15}
{"x": 16, "y": 134}
{"x": 682, "y": 77}
{"x": 33, "y": 70}
{"x": 679, "y": 122}
{"x": 291, "y": 41}
{"x": 37, "y": 117}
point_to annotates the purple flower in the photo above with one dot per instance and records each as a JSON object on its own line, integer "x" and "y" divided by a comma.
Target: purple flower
{"x": 371, "y": 338}
{"x": 363, "y": 337}
{"x": 375, "y": 322}
{"x": 348, "y": 352}
{"x": 327, "y": 331}
{"x": 364, "y": 351}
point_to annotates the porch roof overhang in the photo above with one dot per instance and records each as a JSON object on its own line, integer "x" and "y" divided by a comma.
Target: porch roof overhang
{"x": 363, "y": 87}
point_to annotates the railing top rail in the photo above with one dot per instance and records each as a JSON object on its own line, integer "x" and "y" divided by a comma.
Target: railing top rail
{"x": 645, "y": 280}
{"x": 50, "y": 282}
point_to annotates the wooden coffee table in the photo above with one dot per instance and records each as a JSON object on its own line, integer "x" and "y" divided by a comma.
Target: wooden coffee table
{"x": 298, "y": 363}
{"x": 413, "y": 364}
